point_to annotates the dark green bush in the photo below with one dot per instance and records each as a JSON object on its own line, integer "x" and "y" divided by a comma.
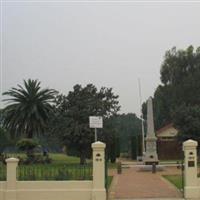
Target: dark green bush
{"x": 26, "y": 144}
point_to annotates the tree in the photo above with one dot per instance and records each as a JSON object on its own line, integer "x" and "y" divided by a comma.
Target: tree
{"x": 28, "y": 109}
{"x": 181, "y": 71}
{"x": 110, "y": 136}
{"x": 4, "y": 140}
{"x": 75, "y": 110}
{"x": 179, "y": 92}
{"x": 187, "y": 121}
{"x": 126, "y": 126}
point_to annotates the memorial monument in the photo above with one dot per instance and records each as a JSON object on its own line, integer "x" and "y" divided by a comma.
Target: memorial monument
{"x": 151, "y": 155}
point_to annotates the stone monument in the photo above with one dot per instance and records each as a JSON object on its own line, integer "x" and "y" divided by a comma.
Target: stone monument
{"x": 151, "y": 155}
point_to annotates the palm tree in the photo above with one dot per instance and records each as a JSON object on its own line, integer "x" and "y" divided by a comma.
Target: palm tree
{"x": 28, "y": 109}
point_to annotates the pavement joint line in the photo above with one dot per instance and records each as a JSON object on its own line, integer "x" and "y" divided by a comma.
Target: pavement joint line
{"x": 153, "y": 199}
{"x": 111, "y": 192}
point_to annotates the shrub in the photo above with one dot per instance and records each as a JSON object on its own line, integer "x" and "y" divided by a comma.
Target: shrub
{"x": 26, "y": 144}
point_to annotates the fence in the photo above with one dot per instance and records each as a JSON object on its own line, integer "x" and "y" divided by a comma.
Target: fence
{"x": 2, "y": 172}
{"x": 54, "y": 172}
{"x": 19, "y": 187}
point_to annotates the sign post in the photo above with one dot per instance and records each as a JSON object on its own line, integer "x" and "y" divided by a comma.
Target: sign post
{"x": 96, "y": 122}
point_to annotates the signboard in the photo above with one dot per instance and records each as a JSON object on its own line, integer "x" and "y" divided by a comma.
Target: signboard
{"x": 96, "y": 122}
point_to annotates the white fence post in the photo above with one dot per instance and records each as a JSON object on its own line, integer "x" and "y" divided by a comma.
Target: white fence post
{"x": 99, "y": 191}
{"x": 191, "y": 188}
{"x": 12, "y": 164}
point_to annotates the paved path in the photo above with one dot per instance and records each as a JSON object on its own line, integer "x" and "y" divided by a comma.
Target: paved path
{"x": 134, "y": 184}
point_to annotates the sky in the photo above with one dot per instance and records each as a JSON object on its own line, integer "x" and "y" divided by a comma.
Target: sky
{"x": 107, "y": 43}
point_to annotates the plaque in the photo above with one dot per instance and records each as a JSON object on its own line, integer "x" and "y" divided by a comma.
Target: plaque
{"x": 190, "y": 163}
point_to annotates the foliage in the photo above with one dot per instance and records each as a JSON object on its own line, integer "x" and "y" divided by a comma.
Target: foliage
{"x": 75, "y": 109}
{"x": 187, "y": 120}
{"x": 29, "y": 108}
{"x": 126, "y": 126}
{"x": 109, "y": 136}
{"x": 118, "y": 131}
{"x": 177, "y": 100}
{"x": 26, "y": 144}
{"x": 4, "y": 140}
{"x": 2, "y": 172}
{"x": 29, "y": 145}
{"x": 136, "y": 146}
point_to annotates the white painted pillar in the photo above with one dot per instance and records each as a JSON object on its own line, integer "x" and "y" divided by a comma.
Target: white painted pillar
{"x": 11, "y": 183}
{"x": 99, "y": 191}
{"x": 191, "y": 187}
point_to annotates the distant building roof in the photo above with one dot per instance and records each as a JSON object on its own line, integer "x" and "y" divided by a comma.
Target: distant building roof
{"x": 167, "y": 131}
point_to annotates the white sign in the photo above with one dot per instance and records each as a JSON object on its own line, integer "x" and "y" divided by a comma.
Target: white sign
{"x": 96, "y": 122}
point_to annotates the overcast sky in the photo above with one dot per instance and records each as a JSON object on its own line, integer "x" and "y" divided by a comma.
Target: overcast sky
{"x": 108, "y": 44}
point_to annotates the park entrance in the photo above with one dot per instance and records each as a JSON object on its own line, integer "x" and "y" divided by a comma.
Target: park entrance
{"x": 136, "y": 184}
{"x": 149, "y": 178}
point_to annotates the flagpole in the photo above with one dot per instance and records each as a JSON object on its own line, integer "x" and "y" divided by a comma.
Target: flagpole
{"x": 142, "y": 119}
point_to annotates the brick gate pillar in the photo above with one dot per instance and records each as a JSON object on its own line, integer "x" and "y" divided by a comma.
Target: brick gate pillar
{"x": 99, "y": 191}
{"x": 11, "y": 184}
{"x": 191, "y": 187}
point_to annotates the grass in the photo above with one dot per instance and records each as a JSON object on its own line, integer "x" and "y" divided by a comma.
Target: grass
{"x": 56, "y": 158}
{"x": 110, "y": 178}
{"x": 175, "y": 180}
{"x": 62, "y": 158}
{"x": 112, "y": 165}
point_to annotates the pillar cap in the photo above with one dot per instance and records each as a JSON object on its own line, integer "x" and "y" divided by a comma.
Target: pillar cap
{"x": 12, "y": 160}
{"x": 98, "y": 144}
{"x": 190, "y": 143}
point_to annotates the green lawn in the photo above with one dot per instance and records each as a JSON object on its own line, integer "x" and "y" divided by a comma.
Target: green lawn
{"x": 62, "y": 158}
{"x": 175, "y": 180}
{"x": 112, "y": 165}
{"x": 110, "y": 178}
{"x": 56, "y": 157}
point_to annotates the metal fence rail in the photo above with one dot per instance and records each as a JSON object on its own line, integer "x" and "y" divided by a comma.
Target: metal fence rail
{"x": 2, "y": 172}
{"x": 54, "y": 172}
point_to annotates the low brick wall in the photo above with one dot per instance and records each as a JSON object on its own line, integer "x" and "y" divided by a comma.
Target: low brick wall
{"x": 54, "y": 190}
{"x": 2, "y": 189}
{"x": 12, "y": 189}
{"x": 50, "y": 190}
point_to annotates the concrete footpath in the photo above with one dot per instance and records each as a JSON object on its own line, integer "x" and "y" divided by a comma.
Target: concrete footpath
{"x": 135, "y": 184}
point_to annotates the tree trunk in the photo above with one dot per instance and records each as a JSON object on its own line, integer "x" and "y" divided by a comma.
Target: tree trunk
{"x": 82, "y": 159}
{"x": 30, "y": 135}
